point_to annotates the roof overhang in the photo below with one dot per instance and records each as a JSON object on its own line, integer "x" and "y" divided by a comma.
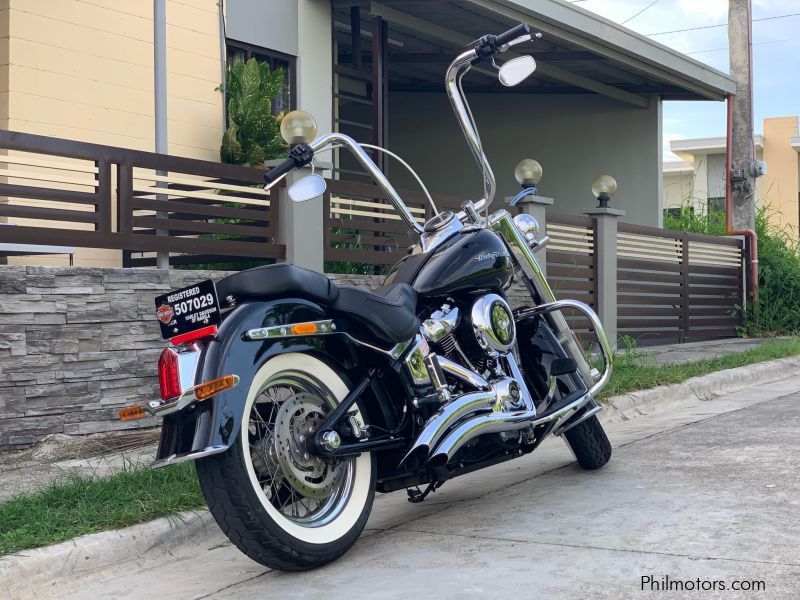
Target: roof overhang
{"x": 580, "y": 52}
{"x": 796, "y": 142}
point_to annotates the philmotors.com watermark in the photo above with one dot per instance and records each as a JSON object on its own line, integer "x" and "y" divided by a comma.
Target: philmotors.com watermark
{"x": 665, "y": 583}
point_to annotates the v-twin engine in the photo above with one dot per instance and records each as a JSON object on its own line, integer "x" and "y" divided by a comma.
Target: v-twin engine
{"x": 491, "y": 397}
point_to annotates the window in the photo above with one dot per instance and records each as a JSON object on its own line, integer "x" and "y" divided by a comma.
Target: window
{"x": 716, "y": 205}
{"x": 286, "y": 101}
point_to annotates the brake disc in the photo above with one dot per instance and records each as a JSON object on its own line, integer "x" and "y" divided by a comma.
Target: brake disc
{"x": 298, "y": 419}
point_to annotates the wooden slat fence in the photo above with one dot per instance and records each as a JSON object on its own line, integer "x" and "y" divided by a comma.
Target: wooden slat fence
{"x": 677, "y": 287}
{"x": 571, "y": 265}
{"x": 363, "y": 229}
{"x": 64, "y": 192}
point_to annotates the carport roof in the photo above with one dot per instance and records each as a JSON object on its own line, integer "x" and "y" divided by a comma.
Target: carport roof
{"x": 580, "y": 52}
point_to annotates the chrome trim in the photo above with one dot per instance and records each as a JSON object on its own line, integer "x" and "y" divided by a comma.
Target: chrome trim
{"x": 334, "y": 139}
{"x": 464, "y": 374}
{"x": 448, "y": 415}
{"x": 516, "y": 373}
{"x": 597, "y": 326}
{"x": 188, "y": 360}
{"x": 415, "y": 362}
{"x": 394, "y": 352}
{"x": 440, "y": 323}
{"x": 174, "y": 459}
{"x": 494, "y": 422}
{"x": 457, "y": 69}
{"x": 447, "y": 229}
{"x": 284, "y": 331}
{"x": 565, "y": 425}
{"x": 503, "y": 224}
{"x": 483, "y": 325}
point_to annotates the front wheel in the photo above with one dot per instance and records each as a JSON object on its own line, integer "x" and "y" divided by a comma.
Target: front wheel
{"x": 590, "y": 444}
{"x": 279, "y": 504}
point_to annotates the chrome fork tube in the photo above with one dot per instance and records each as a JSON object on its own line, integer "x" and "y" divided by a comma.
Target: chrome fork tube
{"x": 501, "y": 222}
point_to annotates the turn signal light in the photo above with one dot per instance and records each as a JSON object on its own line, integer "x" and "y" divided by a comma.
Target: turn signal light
{"x": 199, "y": 334}
{"x": 304, "y": 328}
{"x": 169, "y": 378}
{"x": 131, "y": 413}
{"x": 215, "y": 386}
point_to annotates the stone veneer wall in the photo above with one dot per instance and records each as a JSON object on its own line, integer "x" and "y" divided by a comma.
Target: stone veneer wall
{"x": 77, "y": 344}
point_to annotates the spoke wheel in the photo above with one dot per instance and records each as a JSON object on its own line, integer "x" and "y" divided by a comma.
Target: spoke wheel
{"x": 277, "y": 502}
{"x": 307, "y": 489}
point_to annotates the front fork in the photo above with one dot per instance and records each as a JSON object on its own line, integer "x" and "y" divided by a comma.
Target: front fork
{"x": 549, "y": 308}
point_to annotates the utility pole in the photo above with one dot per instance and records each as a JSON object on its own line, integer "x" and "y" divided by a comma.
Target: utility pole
{"x": 740, "y": 36}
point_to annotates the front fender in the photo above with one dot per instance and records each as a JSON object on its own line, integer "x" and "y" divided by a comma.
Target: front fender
{"x": 210, "y": 427}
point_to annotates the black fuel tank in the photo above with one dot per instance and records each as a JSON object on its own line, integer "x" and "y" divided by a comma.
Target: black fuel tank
{"x": 469, "y": 261}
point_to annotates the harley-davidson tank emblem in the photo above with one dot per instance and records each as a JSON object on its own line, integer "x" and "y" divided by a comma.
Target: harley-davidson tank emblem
{"x": 487, "y": 256}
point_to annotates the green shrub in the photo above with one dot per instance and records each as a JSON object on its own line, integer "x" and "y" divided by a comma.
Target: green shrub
{"x": 253, "y": 132}
{"x": 777, "y": 311}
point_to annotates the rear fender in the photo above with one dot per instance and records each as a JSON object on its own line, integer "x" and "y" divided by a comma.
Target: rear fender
{"x": 210, "y": 427}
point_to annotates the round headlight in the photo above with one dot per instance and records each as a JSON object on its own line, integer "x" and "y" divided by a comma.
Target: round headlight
{"x": 527, "y": 224}
{"x": 298, "y": 127}
{"x": 528, "y": 172}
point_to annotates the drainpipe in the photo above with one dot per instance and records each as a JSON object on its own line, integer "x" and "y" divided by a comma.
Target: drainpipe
{"x": 748, "y": 233}
{"x": 223, "y": 55}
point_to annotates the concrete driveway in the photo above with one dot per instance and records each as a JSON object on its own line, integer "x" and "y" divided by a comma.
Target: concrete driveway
{"x": 701, "y": 491}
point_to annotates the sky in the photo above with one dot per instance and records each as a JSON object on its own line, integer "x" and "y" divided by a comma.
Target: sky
{"x": 776, "y": 55}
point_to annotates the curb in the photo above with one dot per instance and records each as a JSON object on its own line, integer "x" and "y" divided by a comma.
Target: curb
{"x": 33, "y": 572}
{"x": 30, "y": 572}
{"x": 703, "y": 387}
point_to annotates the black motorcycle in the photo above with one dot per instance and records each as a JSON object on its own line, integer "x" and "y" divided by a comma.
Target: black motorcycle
{"x": 298, "y": 398}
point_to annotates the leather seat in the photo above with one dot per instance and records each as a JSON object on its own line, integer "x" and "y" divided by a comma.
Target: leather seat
{"x": 275, "y": 281}
{"x": 389, "y": 313}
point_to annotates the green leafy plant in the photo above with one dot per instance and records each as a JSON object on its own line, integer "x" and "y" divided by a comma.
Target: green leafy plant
{"x": 253, "y": 133}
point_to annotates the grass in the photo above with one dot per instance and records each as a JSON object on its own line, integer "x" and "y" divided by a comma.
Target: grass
{"x": 79, "y": 505}
{"x": 634, "y": 370}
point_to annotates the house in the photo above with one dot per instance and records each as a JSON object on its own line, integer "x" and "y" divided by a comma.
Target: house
{"x": 698, "y": 179}
{"x": 374, "y": 69}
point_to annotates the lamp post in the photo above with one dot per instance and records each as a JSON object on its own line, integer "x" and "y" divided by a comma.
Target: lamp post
{"x": 528, "y": 174}
{"x": 605, "y": 253}
{"x": 300, "y": 224}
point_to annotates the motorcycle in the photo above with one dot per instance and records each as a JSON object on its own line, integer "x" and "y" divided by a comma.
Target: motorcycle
{"x": 298, "y": 398}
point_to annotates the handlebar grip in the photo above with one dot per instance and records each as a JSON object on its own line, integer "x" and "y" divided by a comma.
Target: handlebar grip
{"x": 300, "y": 156}
{"x": 278, "y": 171}
{"x": 513, "y": 34}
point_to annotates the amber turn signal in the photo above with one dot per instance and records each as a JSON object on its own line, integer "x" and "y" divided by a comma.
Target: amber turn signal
{"x": 305, "y": 328}
{"x": 215, "y": 386}
{"x": 131, "y": 413}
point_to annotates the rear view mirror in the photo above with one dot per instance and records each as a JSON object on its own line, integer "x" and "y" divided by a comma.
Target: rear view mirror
{"x": 310, "y": 186}
{"x": 516, "y": 70}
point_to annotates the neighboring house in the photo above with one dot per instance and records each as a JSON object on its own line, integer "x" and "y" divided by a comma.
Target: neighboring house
{"x": 698, "y": 180}
{"x": 374, "y": 69}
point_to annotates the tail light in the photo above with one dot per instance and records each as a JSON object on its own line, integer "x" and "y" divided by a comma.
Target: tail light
{"x": 169, "y": 376}
{"x": 198, "y": 334}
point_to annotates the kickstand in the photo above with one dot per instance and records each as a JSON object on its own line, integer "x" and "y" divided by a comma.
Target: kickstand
{"x": 415, "y": 496}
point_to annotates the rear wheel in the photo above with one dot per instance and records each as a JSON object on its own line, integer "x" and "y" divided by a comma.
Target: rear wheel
{"x": 590, "y": 444}
{"x": 278, "y": 503}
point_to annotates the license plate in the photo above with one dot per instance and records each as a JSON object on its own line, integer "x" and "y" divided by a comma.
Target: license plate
{"x": 188, "y": 309}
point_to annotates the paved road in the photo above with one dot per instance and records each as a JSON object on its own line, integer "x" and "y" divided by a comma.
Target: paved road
{"x": 704, "y": 489}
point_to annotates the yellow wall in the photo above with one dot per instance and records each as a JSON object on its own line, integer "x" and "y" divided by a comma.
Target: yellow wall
{"x": 780, "y": 185}
{"x": 83, "y": 70}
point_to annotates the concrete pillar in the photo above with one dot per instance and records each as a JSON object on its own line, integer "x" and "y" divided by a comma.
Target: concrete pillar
{"x": 536, "y": 206}
{"x": 301, "y": 224}
{"x": 605, "y": 246}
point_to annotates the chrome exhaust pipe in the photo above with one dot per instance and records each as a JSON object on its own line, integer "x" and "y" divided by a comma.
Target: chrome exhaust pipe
{"x": 498, "y": 422}
{"x": 445, "y": 417}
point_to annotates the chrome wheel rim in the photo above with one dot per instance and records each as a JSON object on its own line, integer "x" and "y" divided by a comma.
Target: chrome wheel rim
{"x": 305, "y": 489}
